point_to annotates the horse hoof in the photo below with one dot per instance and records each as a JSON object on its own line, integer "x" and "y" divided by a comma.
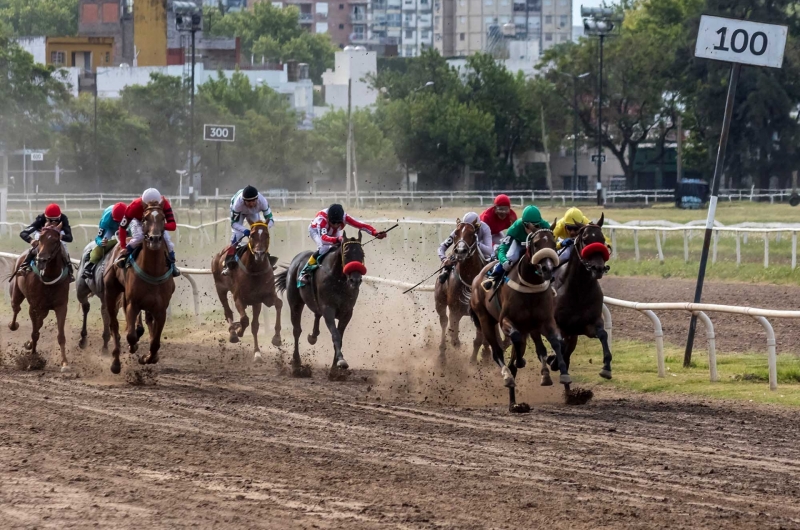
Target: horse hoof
{"x": 104, "y": 349}
{"x": 546, "y": 381}
{"x": 312, "y": 339}
{"x": 519, "y": 408}
{"x": 234, "y": 338}
{"x": 257, "y": 357}
{"x": 139, "y": 331}
{"x": 151, "y": 359}
{"x": 565, "y": 379}
{"x": 508, "y": 379}
{"x": 142, "y": 360}
{"x": 342, "y": 364}
{"x": 605, "y": 374}
{"x": 28, "y": 345}
{"x": 82, "y": 343}
{"x": 132, "y": 348}
{"x": 13, "y": 326}
{"x": 521, "y": 362}
{"x": 65, "y": 369}
{"x": 276, "y": 341}
{"x": 116, "y": 367}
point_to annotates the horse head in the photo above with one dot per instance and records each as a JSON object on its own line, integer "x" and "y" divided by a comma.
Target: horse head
{"x": 259, "y": 241}
{"x": 591, "y": 248}
{"x": 541, "y": 252}
{"x": 353, "y": 260}
{"x": 153, "y": 222}
{"x": 466, "y": 241}
{"x": 49, "y": 245}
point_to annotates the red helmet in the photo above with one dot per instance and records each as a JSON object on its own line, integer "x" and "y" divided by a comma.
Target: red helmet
{"x": 118, "y": 211}
{"x": 502, "y": 200}
{"x": 52, "y": 212}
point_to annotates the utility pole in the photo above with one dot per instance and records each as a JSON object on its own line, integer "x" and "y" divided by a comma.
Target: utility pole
{"x": 679, "y": 176}
{"x": 96, "y": 156}
{"x": 600, "y": 127}
{"x": 188, "y": 17}
{"x": 349, "y": 155}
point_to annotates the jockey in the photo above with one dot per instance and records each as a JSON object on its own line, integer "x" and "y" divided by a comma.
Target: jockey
{"x": 52, "y": 217}
{"x": 247, "y": 204}
{"x": 105, "y": 241}
{"x": 133, "y": 221}
{"x": 484, "y": 244}
{"x": 567, "y": 230}
{"x": 499, "y": 217}
{"x": 511, "y": 248}
{"x": 326, "y": 231}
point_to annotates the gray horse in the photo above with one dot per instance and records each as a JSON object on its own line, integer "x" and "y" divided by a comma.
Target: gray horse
{"x": 94, "y": 286}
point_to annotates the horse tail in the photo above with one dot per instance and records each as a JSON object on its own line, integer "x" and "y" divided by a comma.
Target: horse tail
{"x": 280, "y": 280}
{"x": 474, "y": 317}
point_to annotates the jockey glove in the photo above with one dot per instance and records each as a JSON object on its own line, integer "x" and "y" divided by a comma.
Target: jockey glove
{"x": 129, "y": 249}
{"x": 566, "y": 243}
{"x": 507, "y": 266}
{"x": 247, "y": 233}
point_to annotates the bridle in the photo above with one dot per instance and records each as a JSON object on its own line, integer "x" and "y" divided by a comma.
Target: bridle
{"x": 257, "y": 224}
{"x": 579, "y": 250}
{"x": 40, "y": 272}
{"x": 148, "y": 210}
{"x": 345, "y": 244}
{"x": 471, "y": 249}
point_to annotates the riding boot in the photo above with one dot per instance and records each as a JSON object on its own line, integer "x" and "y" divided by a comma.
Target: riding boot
{"x": 70, "y": 270}
{"x": 171, "y": 261}
{"x": 494, "y": 275}
{"x": 305, "y": 273}
{"x": 88, "y": 270}
{"x": 445, "y": 273}
{"x": 230, "y": 260}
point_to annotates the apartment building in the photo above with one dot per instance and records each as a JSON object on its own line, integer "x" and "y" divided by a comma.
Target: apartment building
{"x": 464, "y": 27}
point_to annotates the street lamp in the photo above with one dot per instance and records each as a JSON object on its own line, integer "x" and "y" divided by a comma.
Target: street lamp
{"x": 599, "y": 22}
{"x": 189, "y": 17}
{"x": 575, "y": 124}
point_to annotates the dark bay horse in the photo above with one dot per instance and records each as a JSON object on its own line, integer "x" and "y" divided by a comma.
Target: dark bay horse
{"x": 331, "y": 294}
{"x": 146, "y": 284}
{"x": 46, "y": 287}
{"x": 252, "y": 283}
{"x": 579, "y": 305}
{"x": 455, "y": 293}
{"x": 523, "y": 307}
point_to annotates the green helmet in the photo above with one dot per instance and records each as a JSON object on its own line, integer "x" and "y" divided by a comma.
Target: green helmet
{"x": 531, "y": 214}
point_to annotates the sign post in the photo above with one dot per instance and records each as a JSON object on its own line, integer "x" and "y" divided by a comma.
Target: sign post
{"x": 218, "y": 133}
{"x": 737, "y": 42}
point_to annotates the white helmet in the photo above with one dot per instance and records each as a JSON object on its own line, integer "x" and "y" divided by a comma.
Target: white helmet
{"x": 471, "y": 218}
{"x": 151, "y": 195}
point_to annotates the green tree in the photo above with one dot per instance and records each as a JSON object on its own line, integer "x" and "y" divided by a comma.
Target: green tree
{"x": 52, "y": 18}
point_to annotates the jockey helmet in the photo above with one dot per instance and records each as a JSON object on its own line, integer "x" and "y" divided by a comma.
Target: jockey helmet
{"x": 151, "y": 195}
{"x": 335, "y": 213}
{"x": 502, "y": 200}
{"x": 52, "y": 212}
{"x": 531, "y": 215}
{"x": 118, "y": 211}
{"x": 250, "y": 193}
{"x": 471, "y": 218}
{"x": 574, "y": 217}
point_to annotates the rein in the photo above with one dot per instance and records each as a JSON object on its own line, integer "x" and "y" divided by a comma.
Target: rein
{"x": 40, "y": 273}
{"x": 344, "y": 250}
{"x": 241, "y": 264}
{"x": 526, "y": 287}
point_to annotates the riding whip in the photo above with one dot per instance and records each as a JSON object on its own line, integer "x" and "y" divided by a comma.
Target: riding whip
{"x": 426, "y": 279}
{"x": 385, "y": 231}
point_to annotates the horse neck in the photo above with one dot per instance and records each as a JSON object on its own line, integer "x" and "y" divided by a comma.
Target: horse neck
{"x": 249, "y": 260}
{"x": 470, "y": 267}
{"x": 153, "y": 262}
{"x": 576, "y": 277}
{"x": 527, "y": 271}
{"x": 54, "y": 267}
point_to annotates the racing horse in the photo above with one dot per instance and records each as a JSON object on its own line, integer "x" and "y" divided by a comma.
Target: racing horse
{"x": 46, "y": 287}
{"x": 579, "y": 304}
{"x": 331, "y": 294}
{"x": 455, "y": 293}
{"x": 146, "y": 284}
{"x": 523, "y": 307}
{"x": 252, "y": 284}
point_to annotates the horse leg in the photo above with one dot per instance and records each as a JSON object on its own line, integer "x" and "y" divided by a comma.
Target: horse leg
{"x": 37, "y": 319}
{"x": 132, "y": 314}
{"x": 602, "y": 336}
{"x": 111, "y": 296}
{"x": 276, "y": 339}
{"x": 453, "y": 328}
{"x": 476, "y": 345}
{"x": 85, "y": 307}
{"x": 296, "y": 313}
{"x": 106, "y": 334}
{"x": 244, "y": 321}
{"x": 222, "y": 293}
{"x": 61, "y": 317}
{"x": 441, "y": 309}
{"x": 139, "y": 326}
{"x": 555, "y": 340}
{"x": 541, "y": 353}
{"x": 254, "y": 329}
{"x": 343, "y": 321}
{"x": 16, "y": 304}
{"x": 516, "y": 361}
{"x": 330, "y": 321}
{"x": 489, "y": 327}
{"x": 158, "y": 320}
{"x": 312, "y": 337}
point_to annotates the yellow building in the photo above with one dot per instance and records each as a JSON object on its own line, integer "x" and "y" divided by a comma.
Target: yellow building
{"x": 150, "y": 32}
{"x": 83, "y": 52}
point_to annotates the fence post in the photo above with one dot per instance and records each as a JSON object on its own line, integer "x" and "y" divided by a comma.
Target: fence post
{"x": 766, "y": 250}
{"x": 714, "y": 251}
{"x": 738, "y": 249}
{"x": 712, "y": 345}
{"x": 772, "y": 360}
{"x": 613, "y": 244}
{"x": 636, "y": 244}
{"x": 794, "y": 250}
{"x": 658, "y": 248}
{"x": 659, "y": 333}
{"x": 685, "y": 246}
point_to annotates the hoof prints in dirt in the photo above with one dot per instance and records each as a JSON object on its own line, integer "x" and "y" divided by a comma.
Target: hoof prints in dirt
{"x": 29, "y": 362}
{"x": 577, "y": 396}
{"x": 337, "y": 374}
{"x": 142, "y": 377}
{"x": 304, "y": 370}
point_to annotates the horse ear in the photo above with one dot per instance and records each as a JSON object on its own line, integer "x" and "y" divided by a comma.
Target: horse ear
{"x": 359, "y": 236}
{"x": 58, "y": 226}
{"x": 553, "y": 226}
{"x": 602, "y": 218}
{"x": 458, "y": 220}
{"x": 344, "y": 234}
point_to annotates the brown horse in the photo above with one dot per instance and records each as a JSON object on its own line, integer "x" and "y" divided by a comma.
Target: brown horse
{"x": 579, "y": 305}
{"x": 523, "y": 307}
{"x": 252, "y": 284}
{"x": 331, "y": 294}
{"x": 46, "y": 287}
{"x": 146, "y": 284}
{"x": 454, "y": 294}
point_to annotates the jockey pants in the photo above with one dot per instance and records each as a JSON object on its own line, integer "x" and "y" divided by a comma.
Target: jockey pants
{"x": 137, "y": 236}
{"x": 322, "y": 247}
{"x": 101, "y": 250}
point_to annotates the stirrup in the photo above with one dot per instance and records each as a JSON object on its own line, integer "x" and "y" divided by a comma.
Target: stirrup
{"x": 488, "y": 285}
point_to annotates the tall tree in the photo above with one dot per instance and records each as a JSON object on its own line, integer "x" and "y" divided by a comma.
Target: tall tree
{"x": 52, "y": 18}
